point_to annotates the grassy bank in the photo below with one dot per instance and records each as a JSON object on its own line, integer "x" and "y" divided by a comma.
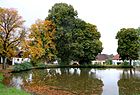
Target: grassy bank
{"x": 88, "y": 66}
{"x": 28, "y": 66}
{"x": 10, "y": 90}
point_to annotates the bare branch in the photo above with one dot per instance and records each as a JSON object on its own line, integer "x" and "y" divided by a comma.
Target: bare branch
{"x": 10, "y": 23}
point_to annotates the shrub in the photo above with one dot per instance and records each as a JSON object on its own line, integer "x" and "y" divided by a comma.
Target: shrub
{"x": 40, "y": 65}
{"x": 96, "y": 64}
{"x": 23, "y": 66}
{"x": 108, "y": 62}
{"x": 125, "y": 64}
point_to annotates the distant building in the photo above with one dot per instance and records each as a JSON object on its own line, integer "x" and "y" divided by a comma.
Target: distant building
{"x": 74, "y": 63}
{"x": 18, "y": 59}
{"x": 116, "y": 60}
{"x": 101, "y": 59}
{"x": 55, "y": 62}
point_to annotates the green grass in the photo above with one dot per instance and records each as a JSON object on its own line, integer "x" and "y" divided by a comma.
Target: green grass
{"x": 1, "y": 77}
{"x": 27, "y": 66}
{"x": 10, "y": 90}
{"x": 88, "y": 66}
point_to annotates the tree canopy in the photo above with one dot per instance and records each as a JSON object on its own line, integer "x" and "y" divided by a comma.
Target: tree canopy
{"x": 75, "y": 39}
{"x": 138, "y": 30}
{"x": 11, "y": 34}
{"x": 128, "y": 44}
{"x": 40, "y": 44}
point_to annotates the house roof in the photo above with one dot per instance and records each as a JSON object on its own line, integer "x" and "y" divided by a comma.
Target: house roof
{"x": 102, "y": 57}
{"x": 116, "y": 57}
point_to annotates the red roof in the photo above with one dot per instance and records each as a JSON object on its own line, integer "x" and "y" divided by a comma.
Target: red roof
{"x": 116, "y": 57}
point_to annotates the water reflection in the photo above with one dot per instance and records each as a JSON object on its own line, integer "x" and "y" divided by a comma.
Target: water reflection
{"x": 129, "y": 83}
{"x": 82, "y": 81}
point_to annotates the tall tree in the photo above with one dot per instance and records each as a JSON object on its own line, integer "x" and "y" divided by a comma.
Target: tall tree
{"x": 75, "y": 39}
{"x": 128, "y": 44}
{"x": 40, "y": 44}
{"x": 138, "y": 30}
{"x": 86, "y": 44}
{"x": 11, "y": 25}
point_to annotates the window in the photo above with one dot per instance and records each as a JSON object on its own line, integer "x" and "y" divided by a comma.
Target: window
{"x": 17, "y": 59}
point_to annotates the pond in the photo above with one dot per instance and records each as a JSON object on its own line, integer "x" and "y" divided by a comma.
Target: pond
{"x": 77, "y": 81}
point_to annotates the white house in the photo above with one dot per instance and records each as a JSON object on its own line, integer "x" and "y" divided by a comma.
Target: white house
{"x": 116, "y": 60}
{"x": 100, "y": 59}
{"x": 136, "y": 62}
{"x": 74, "y": 63}
{"x": 55, "y": 62}
{"x": 16, "y": 60}
{"x": 100, "y": 62}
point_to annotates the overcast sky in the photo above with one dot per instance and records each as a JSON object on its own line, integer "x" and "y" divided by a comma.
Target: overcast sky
{"x": 108, "y": 15}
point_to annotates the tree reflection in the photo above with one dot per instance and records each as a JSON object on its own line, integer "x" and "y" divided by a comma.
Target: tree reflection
{"x": 73, "y": 80}
{"x": 129, "y": 83}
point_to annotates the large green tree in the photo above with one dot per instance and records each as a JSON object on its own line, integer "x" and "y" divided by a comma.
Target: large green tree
{"x": 138, "y": 30}
{"x": 75, "y": 39}
{"x": 128, "y": 44}
{"x": 11, "y": 33}
{"x": 86, "y": 44}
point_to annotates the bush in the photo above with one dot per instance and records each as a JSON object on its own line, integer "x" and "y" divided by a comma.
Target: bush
{"x": 23, "y": 66}
{"x": 108, "y": 62}
{"x": 97, "y": 64}
{"x": 125, "y": 64}
{"x": 40, "y": 65}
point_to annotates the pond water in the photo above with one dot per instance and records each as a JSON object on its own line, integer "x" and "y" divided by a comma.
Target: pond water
{"x": 79, "y": 81}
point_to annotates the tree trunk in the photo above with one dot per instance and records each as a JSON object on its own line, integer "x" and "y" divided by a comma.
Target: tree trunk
{"x": 4, "y": 62}
{"x": 130, "y": 62}
{"x": 131, "y": 73}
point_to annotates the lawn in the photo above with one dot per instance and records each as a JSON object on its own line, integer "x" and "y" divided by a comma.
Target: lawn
{"x": 10, "y": 90}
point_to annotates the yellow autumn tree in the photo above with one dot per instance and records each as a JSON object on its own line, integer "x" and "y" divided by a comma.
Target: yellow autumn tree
{"x": 11, "y": 34}
{"x": 41, "y": 45}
